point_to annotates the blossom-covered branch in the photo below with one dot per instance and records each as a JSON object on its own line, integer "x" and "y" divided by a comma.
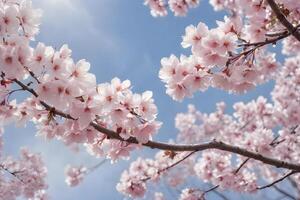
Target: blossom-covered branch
{"x": 230, "y": 151}
{"x": 173, "y": 147}
{"x": 280, "y": 16}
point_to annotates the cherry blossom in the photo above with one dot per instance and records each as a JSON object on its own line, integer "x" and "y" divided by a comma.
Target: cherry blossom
{"x": 246, "y": 151}
{"x": 74, "y": 175}
{"x": 178, "y": 7}
{"x": 27, "y": 176}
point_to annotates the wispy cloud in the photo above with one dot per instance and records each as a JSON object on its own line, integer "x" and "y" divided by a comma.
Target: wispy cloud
{"x": 69, "y": 20}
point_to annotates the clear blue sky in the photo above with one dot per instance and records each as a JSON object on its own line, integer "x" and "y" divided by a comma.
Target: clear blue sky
{"x": 120, "y": 39}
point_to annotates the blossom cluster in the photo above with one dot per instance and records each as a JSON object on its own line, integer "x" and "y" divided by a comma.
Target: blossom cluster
{"x": 67, "y": 86}
{"x": 268, "y": 128}
{"x": 216, "y": 61}
{"x": 58, "y": 84}
{"x": 191, "y": 194}
{"x": 231, "y": 56}
{"x": 74, "y": 175}
{"x": 67, "y": 103}
{"x": 23, "y": 178}
{"x": 158, "y": 8}
{"x": 133, "y": 181}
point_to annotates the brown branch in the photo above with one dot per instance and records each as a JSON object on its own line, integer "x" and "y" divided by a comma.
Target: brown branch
{"x": 276, "y": 34}
{"x": 174, "y": 147}
{"x": 172, "y": 165}
{"x": 280, "y": 16}
{"x": 32, "y": 75}
{"x": 49, "y": 108}
{"x": 267, "y": 41}
{"x": 277, "y": 181}
{"x": 209, "y": 190}
{"x": 179, "y": 161}
{"x": 285, "y": 193}
{"x": 200, "y": 147}
{"x": 242, "y": 164}
{"x": 14, "y": 174}
{"x": 256, "y": 45}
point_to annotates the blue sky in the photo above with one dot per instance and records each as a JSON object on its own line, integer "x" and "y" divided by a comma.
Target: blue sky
{"x": 120, "y": 39}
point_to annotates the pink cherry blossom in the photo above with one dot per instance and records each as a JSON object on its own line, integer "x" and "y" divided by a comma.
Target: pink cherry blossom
{"x": 256, "y": 143}
{"x": 74, "y": 175}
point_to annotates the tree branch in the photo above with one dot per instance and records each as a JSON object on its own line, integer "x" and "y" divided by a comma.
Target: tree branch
{"x": 222, "y": 196}
{"x": 242, "y": 164}
{"x": 174, "y": 147}
{"x": 267, "y": 41}
{"x": 280, "y": 16}
{"x": 209, "y": 190}
{"x": 14, "y": 174}
{"x": 286, "y": 194}
{"x": 172, "y": 165}
{"x": 293, "y": 183}
{"x": 277, "y": 181}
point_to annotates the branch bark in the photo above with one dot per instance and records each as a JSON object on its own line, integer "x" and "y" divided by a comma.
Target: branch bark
{"x": 174, "y": 147}
{"x": 280, "y": 16}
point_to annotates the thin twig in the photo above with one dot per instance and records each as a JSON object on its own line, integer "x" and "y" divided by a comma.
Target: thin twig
{"x": 284, "y": 192}
{"x": 275, "y": 142}
{"x": 220, "y": 195}
{"x": 93, "y": 168}
{"x": 294, "y": 185}
{"x": 209, "y": 190}
{"x": 242, "y": 164}
{"x": 13, "y": 91}
{"x": 11, "y": 173}
{"x": 32, "y": 75}
{"x": 267, "y": 41}
{"x": 172, "y": 165}
{"x": 277, "y": 181}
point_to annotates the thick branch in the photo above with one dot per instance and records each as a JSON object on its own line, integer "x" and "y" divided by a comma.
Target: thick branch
{"x": 280, "y": 16}
{"x": 200, "y": 147}
{"x": 174, "y": 147}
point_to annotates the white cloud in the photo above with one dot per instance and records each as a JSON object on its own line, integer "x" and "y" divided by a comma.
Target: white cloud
{"x": 71, "y": 20}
